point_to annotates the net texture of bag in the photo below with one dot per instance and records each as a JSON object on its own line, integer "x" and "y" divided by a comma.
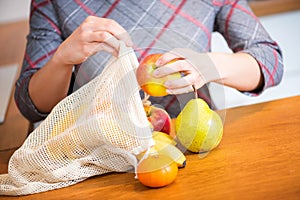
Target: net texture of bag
{"x": 97, "y": 129}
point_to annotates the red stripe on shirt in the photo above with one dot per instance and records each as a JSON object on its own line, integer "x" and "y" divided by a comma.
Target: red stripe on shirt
{"x": 33, "y": 64}
{"x": 217, "y": 3}
{"x": 247, "y": 11}
{"x": 276, "y": 63}
{"x": 48, "y": 19}
{"x": 228, "y": 20}
{"x": 36, "y": 6}
{"x": 162, "y": 30}
{"x": 111, "y": 8}
{"x": 137, "y": 49}
{"x": 191, "y": 19}
{"x": 45, "y": 56}
{"x": 269, "y": 73}
{"x": 221, "y": 2}
{"x": 85, "y": 8}
{"x": 27, "y": 58}
{"x": 228, "y": 2}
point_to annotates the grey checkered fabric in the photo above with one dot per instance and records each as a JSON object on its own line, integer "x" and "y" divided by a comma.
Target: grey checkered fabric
{"x": 155, "y": 27}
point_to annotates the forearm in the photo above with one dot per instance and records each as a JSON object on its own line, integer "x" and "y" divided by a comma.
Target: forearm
{"x": 237, "y": 70}
{"x": 50, "y": 84}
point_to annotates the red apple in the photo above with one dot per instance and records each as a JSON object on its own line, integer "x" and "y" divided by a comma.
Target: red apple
{"x": 159, "y": 118}
{"x": 149, "y": 84}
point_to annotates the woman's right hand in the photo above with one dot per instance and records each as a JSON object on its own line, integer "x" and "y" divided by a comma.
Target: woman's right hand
{"x": 93, "y": 35}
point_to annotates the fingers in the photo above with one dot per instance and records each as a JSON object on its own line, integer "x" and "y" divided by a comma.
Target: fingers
{"x": 183, "y": 61}
{"x": 93, "y": 35}
{"x": 183, "y": 90}
{"x": 98, "y": 34}
{"x": 105, "y": 37}
{"x": 179, "y": 83}
{"x": 166, "y": 58}
{"x": 173, "y": 61}
{"x": 188, "y": 83}
{"x": 189, "y": 79}
{"x": 177, "y": 66}
{"x": 110, "y": 26}
{"x": 96, "y": 47}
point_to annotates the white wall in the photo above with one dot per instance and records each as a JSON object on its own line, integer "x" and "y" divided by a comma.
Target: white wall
{"x": 14, "y": 10}
{"x": 284, "y": 28}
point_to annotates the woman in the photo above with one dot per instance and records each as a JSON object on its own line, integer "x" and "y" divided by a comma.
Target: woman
{"x": 64, "y": 34}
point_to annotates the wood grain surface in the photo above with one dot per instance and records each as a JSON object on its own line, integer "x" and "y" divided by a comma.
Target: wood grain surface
{"x": 258, "y": 158}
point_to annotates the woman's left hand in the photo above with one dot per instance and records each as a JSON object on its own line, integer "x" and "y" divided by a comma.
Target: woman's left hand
{"x": 197, "y": 69}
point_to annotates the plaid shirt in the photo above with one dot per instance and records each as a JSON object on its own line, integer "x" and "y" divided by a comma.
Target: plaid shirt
{"x": 154, "y": 26}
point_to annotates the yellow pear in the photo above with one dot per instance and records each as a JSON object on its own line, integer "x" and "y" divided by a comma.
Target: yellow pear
{"x": 198, "y": 128}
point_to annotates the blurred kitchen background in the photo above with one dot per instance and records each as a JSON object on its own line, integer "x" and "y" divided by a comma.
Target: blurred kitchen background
{"x": 283, "y": 27}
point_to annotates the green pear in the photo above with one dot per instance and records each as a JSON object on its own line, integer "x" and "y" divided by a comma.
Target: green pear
{"x": 198, "y": 128}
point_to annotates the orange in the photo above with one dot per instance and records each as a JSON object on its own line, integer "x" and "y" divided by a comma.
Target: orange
{"x": 157, "y": 171}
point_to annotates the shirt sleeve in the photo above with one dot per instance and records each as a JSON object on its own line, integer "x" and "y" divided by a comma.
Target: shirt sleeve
{"x": 244, "y": 33}
{"x": 42, "y": 41}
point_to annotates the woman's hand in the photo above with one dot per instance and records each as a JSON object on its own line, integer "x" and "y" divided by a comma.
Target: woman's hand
{"x": 93, "y": 35}
{"x": 197, "y": 70}
{"x": 237, "y": 70}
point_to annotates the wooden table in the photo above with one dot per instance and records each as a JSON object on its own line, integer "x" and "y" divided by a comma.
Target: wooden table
{"x": 258, "y": 158}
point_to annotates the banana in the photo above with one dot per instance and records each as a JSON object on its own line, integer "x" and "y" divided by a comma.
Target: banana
{"x": 172, "y": 151}
{"x": 160, "y": 136}
{"x": 165, "y": 144}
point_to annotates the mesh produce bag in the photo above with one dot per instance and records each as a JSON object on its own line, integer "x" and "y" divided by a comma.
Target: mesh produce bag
{"x": 97, "y": 129}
